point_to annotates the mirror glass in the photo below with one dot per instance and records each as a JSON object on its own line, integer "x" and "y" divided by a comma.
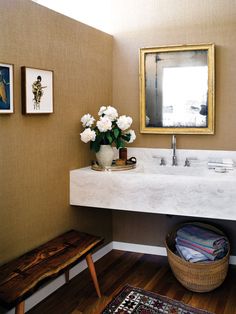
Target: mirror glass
{"x": 177, "y": 89}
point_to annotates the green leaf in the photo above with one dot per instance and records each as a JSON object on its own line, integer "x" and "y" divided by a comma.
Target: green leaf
{"x": 126, "y": 137}
{"x": 96, "y": 147}
{"x": 109, "y": 137}
{"x": 92, "y": 146}
{"x": 119, "y": 143}
{"x": 99, "y": 137}
{"x": 116, "y": 132}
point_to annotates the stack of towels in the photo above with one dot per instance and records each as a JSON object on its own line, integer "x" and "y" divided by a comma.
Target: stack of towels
{"x": 197, "y": 244}
{"x": 226, "y": 163}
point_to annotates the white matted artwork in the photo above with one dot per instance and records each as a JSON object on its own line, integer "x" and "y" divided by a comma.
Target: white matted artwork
{"x": 37, "y": 91}
{"x": 6, "y": 88}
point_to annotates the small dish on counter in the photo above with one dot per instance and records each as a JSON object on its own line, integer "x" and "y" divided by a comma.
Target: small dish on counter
{"x": 117, "y": 165}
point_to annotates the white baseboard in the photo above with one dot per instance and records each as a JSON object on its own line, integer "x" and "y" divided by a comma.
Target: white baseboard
{"x": 149, "y": 249}
{"x": 45, "y": 291}
{"x": 232, "y": 259}
{"x": 139, "y": 248}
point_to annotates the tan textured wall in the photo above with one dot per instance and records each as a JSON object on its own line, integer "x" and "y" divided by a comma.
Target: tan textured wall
{"x": 37, "y": 152}
{"x": 160, "y": 22}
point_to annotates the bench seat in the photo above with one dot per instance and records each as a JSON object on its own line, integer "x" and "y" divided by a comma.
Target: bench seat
{"x": 21, "y": 277}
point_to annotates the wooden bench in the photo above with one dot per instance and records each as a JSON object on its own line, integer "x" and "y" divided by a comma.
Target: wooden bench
{"x": 21, "y": 277}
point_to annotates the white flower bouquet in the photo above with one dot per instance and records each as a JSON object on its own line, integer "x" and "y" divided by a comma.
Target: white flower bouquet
{"x": 108, "y": 129}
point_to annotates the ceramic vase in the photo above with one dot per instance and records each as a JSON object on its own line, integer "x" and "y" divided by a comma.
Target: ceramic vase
{"x": 105, "y": 156}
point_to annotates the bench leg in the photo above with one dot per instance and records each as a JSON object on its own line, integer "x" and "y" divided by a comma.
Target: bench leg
{"x": 20, "y": 308}
{"x": 92, "y": 270}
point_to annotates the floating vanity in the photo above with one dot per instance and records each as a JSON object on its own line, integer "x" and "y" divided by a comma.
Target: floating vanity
{"x": 153, "y": 188}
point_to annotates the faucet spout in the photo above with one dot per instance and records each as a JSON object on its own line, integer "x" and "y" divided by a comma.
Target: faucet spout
{"x": 173, "y": 146}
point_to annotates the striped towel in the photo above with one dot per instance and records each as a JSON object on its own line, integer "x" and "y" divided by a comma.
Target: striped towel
{"x": 204, "y": 237}
{"x": 211, "y": 254}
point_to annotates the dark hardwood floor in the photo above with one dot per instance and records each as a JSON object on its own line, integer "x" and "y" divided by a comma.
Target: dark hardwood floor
{"x": 142, "y": 270}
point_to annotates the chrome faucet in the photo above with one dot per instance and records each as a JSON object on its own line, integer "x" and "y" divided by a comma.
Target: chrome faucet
{"x": 173, "y": 146}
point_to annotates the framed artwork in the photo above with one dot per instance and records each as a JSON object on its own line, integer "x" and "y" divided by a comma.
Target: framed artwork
{"x": 6, "y": 88}
{"x": 37, "y": 91}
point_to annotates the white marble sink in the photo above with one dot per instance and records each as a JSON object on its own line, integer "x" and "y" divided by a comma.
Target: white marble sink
{"x": 186, "y": 191}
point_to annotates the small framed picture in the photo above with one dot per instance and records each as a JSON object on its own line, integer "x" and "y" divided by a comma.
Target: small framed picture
{"x": 6, "y": 88}
{"x": 37, "y": 91}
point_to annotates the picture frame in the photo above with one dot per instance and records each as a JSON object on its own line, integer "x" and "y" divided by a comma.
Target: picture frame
{"x": 6, "y": 88}
{"x": 37, "y": 91}
{"x": 177, "y": 89}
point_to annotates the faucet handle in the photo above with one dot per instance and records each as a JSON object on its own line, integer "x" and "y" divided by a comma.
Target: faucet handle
{"x": 187, "y": 163}
{"x": 163, "y": 162}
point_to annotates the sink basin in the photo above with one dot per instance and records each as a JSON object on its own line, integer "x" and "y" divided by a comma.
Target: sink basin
{"x": 175, "y": 170}
{"x": 197, "y": 171}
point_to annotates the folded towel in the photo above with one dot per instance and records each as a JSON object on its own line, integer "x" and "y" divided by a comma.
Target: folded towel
{"x": 190, "y": 255}
{"x": 196, "y": 246}
{"x": 222, "y": 166}
{"x": 226, "y": 163}
{"x": 209, "y": 254}
{"x": 202, "y": 236}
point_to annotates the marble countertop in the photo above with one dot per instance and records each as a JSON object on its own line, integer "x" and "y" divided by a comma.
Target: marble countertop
{"x": 195, "y": 191}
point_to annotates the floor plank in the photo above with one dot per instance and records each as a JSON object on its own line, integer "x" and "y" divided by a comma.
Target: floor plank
{"x": 149, "y": 272}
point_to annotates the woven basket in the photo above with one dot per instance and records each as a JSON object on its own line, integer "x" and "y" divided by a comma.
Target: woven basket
{"x": 197, "y": 277}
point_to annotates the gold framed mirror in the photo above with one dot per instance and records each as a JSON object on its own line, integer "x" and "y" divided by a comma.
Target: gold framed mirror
{"x": 177, "y": 89}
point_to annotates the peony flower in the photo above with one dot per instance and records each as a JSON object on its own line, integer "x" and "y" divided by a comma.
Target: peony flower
{"x": 109, "y": 129}
{"x": 101, "y": 110}
{"x": 87, "y": 120}
{"x": 124, "y": 122}
{"x": 132, "y": 136}
{"x": 88, "y": 135}
{"x": 104, "y": 124}
{"x": 111, "y": 113}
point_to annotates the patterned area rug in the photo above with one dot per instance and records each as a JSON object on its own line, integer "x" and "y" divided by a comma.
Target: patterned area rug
{"x": 138, "y": 301}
